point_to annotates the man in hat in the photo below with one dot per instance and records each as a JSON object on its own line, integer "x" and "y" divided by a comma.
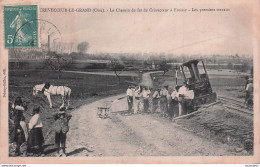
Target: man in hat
{"x": 137, "y": 96}
{"x": 146, "y": 94}
{"x": 184, "y": 98}
{"x": 130, "y": 94}
{"x": 174, "y": 103}
{"x": 164, "y": 94}
{"x": 246, "y": 78}
{"x": 249, "y": 92}
{"x": 156, "y": 97}
{"x": 61, "y": 127}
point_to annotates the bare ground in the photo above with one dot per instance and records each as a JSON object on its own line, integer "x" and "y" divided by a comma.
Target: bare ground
{"x": 135, "y": 135}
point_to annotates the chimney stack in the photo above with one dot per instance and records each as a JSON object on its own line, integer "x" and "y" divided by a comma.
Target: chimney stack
{"x": 49, "y": 43}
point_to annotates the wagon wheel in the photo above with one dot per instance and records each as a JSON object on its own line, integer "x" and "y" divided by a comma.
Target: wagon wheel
{"x": 99, "y": 112}
{"x": 104, "y": 115}
{"x": 203, "y": 100}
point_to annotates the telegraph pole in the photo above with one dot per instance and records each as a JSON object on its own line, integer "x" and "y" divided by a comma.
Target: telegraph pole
{"x": 176, "y": 75}
{"x": 49, "y": 44}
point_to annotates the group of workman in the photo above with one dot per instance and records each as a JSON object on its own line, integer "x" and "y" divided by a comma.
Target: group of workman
{"x": 142, "y": 100}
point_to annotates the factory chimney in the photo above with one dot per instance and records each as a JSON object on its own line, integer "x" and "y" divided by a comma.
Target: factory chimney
{"x": 49, "y": 44}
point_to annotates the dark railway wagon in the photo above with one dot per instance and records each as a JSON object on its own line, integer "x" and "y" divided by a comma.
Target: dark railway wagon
{"x": 196, "y": 77}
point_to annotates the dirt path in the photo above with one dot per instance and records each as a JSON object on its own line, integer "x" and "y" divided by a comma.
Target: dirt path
{"x": 147, "y": 79}
{"x": 133, "y": 135}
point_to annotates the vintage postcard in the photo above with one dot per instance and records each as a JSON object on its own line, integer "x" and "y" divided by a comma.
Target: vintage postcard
{"x": 142, "y": 81}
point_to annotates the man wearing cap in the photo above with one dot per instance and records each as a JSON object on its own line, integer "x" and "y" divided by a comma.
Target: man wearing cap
{"x": 61, "y": 127}
{"x": 137, "y": 95}
{"x": 129, "y": 94}
{"x": 146, "y": 94}
{"x": 246, "y": 78}
{"x": 164, "y": 93}
{"x": 156, "y": 97}
{"x": 174, "y": 103}
{"x": 249, "y": 91}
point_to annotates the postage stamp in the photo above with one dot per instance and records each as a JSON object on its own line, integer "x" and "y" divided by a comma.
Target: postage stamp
{"x": 21, "y": 26}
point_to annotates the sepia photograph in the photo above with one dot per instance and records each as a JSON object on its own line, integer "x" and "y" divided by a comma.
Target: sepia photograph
{"x": 146, "y": 80}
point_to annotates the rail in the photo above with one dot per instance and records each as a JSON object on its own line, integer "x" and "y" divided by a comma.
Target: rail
{"x": 235, "y": 105}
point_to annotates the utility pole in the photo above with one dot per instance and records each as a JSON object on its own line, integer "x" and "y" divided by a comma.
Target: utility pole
{"x": 49, "y": 44}
{"x": 176, "y": 75}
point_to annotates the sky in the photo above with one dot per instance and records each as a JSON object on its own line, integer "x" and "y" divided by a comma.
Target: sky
{"x": 204, "y": 33}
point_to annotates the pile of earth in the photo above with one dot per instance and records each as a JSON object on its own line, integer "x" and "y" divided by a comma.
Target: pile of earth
{"x": 217, "y": 123}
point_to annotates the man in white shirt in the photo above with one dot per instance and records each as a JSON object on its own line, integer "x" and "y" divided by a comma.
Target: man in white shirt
{"x": 129, "y": 94}
{"x": 249, "y": 92}
{"x": 164, "y": 93}
{"x": 137, "y": 94}
{"x": 173, "y": 107}
{"x": 156, "y": 97}
{"x": 146, "y": 94}
{"x": 184, "y": 97}
{"x": 174, "y": 94}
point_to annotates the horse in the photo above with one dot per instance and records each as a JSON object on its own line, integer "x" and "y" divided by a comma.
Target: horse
{"x": 48, "y": 90}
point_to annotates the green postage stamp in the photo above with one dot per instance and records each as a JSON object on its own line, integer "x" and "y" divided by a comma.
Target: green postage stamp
{"x": 21, "y": 26}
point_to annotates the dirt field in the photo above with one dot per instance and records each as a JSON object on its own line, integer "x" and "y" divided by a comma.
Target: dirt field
{"x": 135, "y": 135}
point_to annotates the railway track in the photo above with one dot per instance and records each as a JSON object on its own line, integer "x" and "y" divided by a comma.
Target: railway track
{"x": 232, "y": 105}
{"x": 235, "y": 105}
{"x": 235, "y": 129}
